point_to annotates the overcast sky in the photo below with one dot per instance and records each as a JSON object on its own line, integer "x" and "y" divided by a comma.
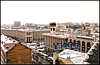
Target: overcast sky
{"x": 44, "y": 12}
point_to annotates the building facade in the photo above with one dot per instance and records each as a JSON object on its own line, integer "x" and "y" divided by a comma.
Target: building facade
{"x": 26, "y": 35}
{"x": 83, "y": 40}
{"x": 83, "y": 44}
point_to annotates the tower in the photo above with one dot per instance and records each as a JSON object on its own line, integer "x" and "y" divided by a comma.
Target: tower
{"x": 53, "y": 27}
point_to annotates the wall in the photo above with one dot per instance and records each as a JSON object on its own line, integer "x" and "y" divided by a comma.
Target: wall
{"x": 19, "y": 55}
{"x": 49, "y": 40}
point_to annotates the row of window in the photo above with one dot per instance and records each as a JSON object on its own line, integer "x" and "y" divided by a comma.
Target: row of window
{"x": 28, "y": 33}
{"x": 83, "y": 46}
{"x": 29, "y": 39}
{"x": 52, "y": 29}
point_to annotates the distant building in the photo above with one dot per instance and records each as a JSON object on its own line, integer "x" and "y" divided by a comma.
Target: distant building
{"x": 17, "y": 24}
{"x": 28, "y": 24}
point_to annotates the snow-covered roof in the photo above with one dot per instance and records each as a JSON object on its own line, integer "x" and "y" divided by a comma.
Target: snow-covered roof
{"x": 50, "y": 57}
{"x": 84, "y": 36}
{"x": 40, "y": 49}
{"x": 7, "y": 43}
{"x": 43, "y": 53}
{"x": 5, "y": 39}
{"x": 32, "y": 47}
{"x": 75, "y": 56}
{"x": 34, "y": 29}
{"x": 56, "y": 35}
{"x": 42, "y": 46}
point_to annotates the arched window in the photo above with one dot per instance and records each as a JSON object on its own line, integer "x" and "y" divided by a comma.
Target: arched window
{"x": 70, "y": 40}
{"x": 88, "y": 46}
{"x": 83, "y": 43}
{"x": 78, "y": 42}
{"x": 66, "y": 39}
{"x": 83, "y": 46}
{"x": 74, "y": 41}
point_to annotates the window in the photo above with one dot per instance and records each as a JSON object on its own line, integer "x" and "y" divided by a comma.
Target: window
{"x": 88, "y": 46}
{"x": 53, "y": 29}
{"x": 27, "y": 39}
{"x": 66, "y": 39}
{"x": 83, "y": 43}
{"x": 70, "y": 40}
{"x": 83, "y": 46}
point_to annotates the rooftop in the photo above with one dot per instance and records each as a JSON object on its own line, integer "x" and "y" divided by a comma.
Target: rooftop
{"x": 85, "y": 37}
{"x": 57, "y": 35}
{"x": 7, "y": 43}
{"x": 31, "y": 29}
{"x": 75, "y": 56}
{"x": 5, "y": 39}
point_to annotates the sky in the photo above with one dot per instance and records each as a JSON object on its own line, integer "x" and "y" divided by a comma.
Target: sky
{"x": 44, "y": 12}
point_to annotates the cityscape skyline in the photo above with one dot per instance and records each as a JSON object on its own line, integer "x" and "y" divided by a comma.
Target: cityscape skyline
{"x": 66, "y": 43}
{"x": 54, "y": 32}
{"x": 44, "y": 12}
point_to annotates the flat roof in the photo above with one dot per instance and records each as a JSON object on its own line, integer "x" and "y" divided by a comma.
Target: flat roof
{"x": 85, "y": 37}
{"x": 56, "y": 35}
{"x": 75, "y": 56}
{"x": 32, "y": 29}
{"x": 5, "y": 39}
